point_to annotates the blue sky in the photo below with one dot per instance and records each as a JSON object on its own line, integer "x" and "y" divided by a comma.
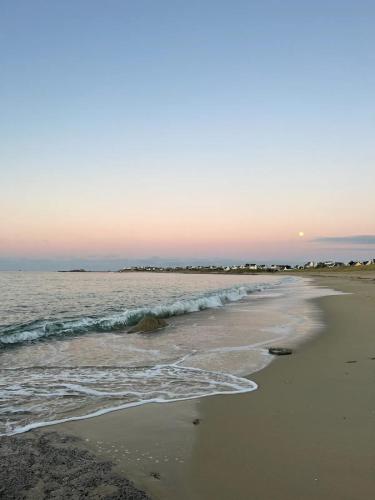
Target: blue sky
{"x": 185, "y": 129}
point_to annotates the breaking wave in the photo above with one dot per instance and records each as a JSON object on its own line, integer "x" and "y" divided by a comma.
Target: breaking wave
{"x": 43, "y": 329}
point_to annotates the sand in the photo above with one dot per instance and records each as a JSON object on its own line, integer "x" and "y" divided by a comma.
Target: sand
{"x": 308, "y": 432}
{"x": 53, "y": 465}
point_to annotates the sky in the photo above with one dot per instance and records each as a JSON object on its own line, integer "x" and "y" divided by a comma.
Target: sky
{"x": 186, "y": 131}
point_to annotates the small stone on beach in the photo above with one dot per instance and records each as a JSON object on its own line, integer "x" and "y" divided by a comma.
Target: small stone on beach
{"x": 279, "y": 351}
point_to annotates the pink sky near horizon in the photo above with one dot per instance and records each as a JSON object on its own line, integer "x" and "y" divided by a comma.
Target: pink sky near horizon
{"x": 190, "y": 217}
{"x": 236, "y": 230}
{"x": 210, "y": 209}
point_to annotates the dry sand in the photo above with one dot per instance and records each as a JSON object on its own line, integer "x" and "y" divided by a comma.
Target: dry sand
{"x": 307, "y": 433}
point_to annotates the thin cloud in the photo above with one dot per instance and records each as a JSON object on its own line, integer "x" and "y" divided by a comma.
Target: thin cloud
{"x": 359, "y": 239}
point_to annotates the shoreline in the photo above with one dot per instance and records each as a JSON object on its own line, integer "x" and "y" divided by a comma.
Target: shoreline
{"x": 297, "y": 436}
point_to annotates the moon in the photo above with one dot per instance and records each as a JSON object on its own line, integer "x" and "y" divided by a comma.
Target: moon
{"x": 301, "y": 234}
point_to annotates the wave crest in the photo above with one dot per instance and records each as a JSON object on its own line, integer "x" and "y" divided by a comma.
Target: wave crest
{"x": 42, "y": 329}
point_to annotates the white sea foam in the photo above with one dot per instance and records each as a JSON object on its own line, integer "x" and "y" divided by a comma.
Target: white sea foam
{"x": 40, "y": 397}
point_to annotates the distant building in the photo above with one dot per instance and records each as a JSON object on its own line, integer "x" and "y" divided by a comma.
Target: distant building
{"x": 354, "y": 263}
{"x": 310, "y": 264}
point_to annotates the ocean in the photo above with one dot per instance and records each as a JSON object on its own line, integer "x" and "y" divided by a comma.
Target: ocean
{"x": 65, "y": 353}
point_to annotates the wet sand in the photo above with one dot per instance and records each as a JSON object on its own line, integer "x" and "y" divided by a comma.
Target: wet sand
{"x": 308, "y": 432}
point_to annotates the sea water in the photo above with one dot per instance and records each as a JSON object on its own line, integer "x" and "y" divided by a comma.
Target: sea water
{"x": 65, "y": 353}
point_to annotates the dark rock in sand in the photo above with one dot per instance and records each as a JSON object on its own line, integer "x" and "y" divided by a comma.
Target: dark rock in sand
{"x": 148, "y": 324}
{"x": 155, "y": 475}
{"x": 196, "y": 421}
{"x": 279, "y": 351}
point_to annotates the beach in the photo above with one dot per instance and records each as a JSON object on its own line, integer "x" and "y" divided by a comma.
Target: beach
{"x": 187, "y": 250}
{"x": 307, "y": 432}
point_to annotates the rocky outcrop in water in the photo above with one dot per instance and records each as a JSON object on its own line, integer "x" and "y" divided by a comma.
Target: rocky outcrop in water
{"x": 148, "y": 324}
